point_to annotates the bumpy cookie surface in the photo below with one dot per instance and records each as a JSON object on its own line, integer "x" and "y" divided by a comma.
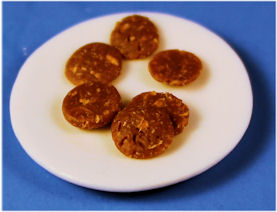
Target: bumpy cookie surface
{"x": 177, "y": 110}
{"x": 91, "y": 105}
{"x": 94, "y": 62}
{"x": 175, "y": 67}
{"x": 142, "y": 132}
{"x": 135, "y": 36}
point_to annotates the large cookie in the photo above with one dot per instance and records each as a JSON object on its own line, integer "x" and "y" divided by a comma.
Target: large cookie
{"x": 177, "y": 110}
{"x": 175, "y": 67}
{"x": 135, "y": 36}
{"x": 91, "y": 105}
{"x": 142, "y": 132}
{"x": 94, "y": 62}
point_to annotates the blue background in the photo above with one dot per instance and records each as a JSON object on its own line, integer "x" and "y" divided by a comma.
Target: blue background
{"x": 244, "y": 180}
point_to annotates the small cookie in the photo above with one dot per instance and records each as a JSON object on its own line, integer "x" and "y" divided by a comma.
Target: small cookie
{"x": 136, "y": 37}
{"x": 175, "y": 67}
{"x": 142, "y": 132}
{"x": 91, "y": 105}
{"x": 177, "y": 110}
{"x": 94, "y": 62}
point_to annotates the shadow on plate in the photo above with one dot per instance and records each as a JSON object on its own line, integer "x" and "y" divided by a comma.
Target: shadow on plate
{"x": 179, "y": 140}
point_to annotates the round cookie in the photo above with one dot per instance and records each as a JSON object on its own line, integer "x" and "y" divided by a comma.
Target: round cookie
{"x": 91, "y": 105}
{"x": 94, "y": 62}
{"x": 142, "y": 132}
{"x": 177, "y": 110}
{"x": 175, "y": 67}
{"x": 136, "y": 37}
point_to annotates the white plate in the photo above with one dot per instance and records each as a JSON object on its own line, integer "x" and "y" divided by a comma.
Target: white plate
{"x": 220, "y": 103}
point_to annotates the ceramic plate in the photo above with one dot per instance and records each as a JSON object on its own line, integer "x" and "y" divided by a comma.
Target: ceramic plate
{"x": 220, "y": 103}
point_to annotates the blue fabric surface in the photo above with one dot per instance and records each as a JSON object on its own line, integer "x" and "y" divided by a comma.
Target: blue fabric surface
{"x": 244, "y": 180}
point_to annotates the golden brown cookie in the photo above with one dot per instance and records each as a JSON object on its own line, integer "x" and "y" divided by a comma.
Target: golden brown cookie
{"x": 135, "y": 36}
{"x": 175, "y": 67}
{"x": 91, "y": 105}
{"x": 142, "y": 132}
{"x": 177, "y": 110}
{"x": 94, "y": 62}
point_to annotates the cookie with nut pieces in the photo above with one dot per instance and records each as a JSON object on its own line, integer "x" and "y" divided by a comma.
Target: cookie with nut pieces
{"x": 91, "y": 105}
{"x": 175, "y": 67}
{"x": 135, "y": 36}
{"x": 142, "y": 132}
{"x": 94, "y": 62}
{"x": 177, "y": 110}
